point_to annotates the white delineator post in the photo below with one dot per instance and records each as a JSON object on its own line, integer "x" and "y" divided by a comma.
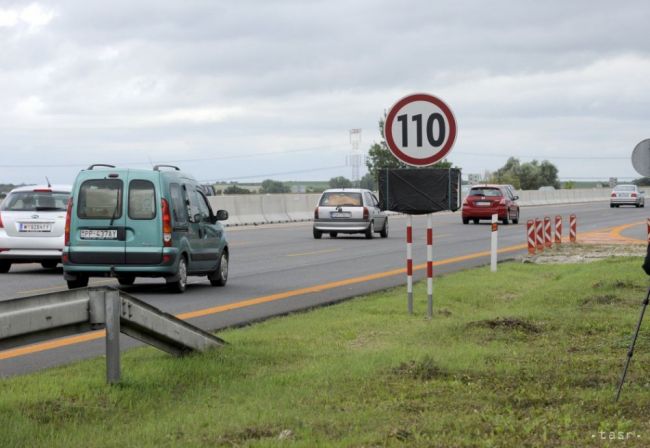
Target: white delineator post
{"x": 409, "y": 262}
{"x": 429, "y": 266}
{"x": 493, "y": 251}
{"x": 573, "y": 228}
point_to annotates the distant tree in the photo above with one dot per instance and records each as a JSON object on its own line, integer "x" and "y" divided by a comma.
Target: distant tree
{"x": 368, "y": 182}
{"x": 569, "y": 185}
{"x": 380, "y": 157}
{"x": 526, "y": 176}
{"x": 340, "y": 182}
{"x": 236, "y": 189}
{"x": 274, "y": 186}
{"x": 642, "y": 181}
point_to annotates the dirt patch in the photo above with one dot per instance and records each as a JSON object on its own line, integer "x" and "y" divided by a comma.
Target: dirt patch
{"x": 584, "y": 253}
{"x": 424, "y": 370}
{"x": 507, "y": 323}
{"x": 605, "y": 299}
{"x": 246, "y": 435}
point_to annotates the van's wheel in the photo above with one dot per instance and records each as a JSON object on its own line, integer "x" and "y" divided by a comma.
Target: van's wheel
{"x": 180, "y": 285}
{"x": 465, "y": 220}
{"x": 317, "y": 234}
{"x": 370, "y": 230}
{"x": 80, "y": 282}
{"x": 126, "y": 281}
{"x": 4, "y": 266}
{"x": 384, "y": 231}
{"x": 219, "y": 276}
{"x": 49, "y": 264}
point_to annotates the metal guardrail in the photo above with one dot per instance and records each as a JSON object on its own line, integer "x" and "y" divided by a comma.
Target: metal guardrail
{"x": 37, "y": 318}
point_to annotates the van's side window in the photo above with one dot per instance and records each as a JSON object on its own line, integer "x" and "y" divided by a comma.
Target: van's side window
{"x": 100, "y": 199}
{"x": 204, "y": 206}
{"x": 194, "y": 210}
{"x": 179, "y": 208}
{"x": 142, "y": 200}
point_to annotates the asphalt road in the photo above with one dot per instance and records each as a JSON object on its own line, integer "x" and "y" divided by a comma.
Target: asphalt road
{"x": 276, "y": 269}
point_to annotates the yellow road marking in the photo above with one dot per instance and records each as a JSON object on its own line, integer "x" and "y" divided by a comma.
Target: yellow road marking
{"x": 616, "y": 232}
{"x": 67, "y": 341}
{"x": 316, "y": 252}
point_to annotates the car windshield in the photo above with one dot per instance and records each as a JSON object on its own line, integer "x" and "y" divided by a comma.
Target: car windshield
{"x": 625, "y": 188}
{"x": 341, "y": 200}
{"x": 491, "y": 192}
{"x": 36, "y": 201}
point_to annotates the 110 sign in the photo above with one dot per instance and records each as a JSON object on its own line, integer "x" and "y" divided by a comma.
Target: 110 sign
{"x": 420, "y": 129}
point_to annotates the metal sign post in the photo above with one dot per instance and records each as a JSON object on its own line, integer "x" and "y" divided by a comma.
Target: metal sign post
{"x": 493, "y": 249}
{"x": 409, "y": 262}
{"x": 430, "y": 265}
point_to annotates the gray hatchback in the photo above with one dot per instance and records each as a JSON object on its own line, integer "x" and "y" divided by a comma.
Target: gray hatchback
{"x": 349, "y": 210}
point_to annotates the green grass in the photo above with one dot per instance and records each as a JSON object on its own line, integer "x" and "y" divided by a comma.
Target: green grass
{"x": 529, "y": 356}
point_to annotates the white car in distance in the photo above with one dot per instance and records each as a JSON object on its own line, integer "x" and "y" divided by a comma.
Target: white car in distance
{"x": 32, "y": 225}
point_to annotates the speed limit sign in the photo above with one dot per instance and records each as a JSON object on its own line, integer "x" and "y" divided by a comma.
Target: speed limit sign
{"x": 420, "y": 129}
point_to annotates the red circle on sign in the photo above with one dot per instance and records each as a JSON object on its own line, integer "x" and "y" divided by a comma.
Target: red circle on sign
{"x": 388, "y": 130}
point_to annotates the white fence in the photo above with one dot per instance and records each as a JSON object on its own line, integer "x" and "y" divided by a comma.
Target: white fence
{"x": 256, "y": 209}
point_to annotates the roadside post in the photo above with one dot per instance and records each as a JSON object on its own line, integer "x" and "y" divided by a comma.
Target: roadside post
{"x": 493, "y": 248}
{"x": 573, "y": 228}
{"x": 558, "y": 229}
{"x": 530, "y": 233}
{"x": 548, "y": 239}
{"x": 420, "y": 130}
{"x": 539, "y": 235}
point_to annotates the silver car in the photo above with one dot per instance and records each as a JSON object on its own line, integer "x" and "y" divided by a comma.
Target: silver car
{"x": 627, "y": 195}
{"x": 32, "y": 225}
{"x": 349, "y": 210}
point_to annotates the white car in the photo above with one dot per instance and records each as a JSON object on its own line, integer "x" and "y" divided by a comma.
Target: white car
{"x": 32, "y": 225}
{"x": 627, "y": 195}
{"x": 349, "y": 210}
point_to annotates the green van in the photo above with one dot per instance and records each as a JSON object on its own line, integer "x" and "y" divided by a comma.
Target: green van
{"x": 129, "y": 223}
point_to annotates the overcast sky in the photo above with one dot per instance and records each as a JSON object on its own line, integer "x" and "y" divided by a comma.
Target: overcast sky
{"x": 249, "y": 90}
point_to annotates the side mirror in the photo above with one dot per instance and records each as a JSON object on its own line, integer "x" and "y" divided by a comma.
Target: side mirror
{"x": 197, "y": 218}
{"x": 222, "y": 215}
{"x": 516, "y": 197}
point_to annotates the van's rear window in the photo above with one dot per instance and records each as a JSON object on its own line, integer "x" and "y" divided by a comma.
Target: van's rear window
{"x": 341, "y": 200}
{"x": 100, "y": 199}
{"x": 142, "y": 200}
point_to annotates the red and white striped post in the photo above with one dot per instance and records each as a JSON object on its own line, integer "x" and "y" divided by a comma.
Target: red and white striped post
{"x": 493, "y": 245}
{"x": 530, "y": 233}
{"x": 548, "y": 239}
{"x": 429, "y": 265}
{"x": 409, "y": 262}
{"x": 558, "y": 229}
{"x": 573, "y": 228}
{"x": 539, "y": 235}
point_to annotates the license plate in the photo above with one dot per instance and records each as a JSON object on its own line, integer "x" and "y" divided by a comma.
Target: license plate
{"x": 623, "y": 195}
{"x": 35, "y": 227}
{"x": 98, "y": 234}
{"x": 483, "y": 203}
{"x": 340, "y": 214}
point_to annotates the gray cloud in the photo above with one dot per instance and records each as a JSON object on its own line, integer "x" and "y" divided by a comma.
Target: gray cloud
{"x": 134, "y": 81}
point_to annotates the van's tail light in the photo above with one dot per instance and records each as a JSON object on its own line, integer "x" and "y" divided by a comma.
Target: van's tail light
{"x": 316, "y": 213}
{"x": 633, "y": 195}
{"x": 166, "y": 224}
{"x": 366, "y": 213}
{"x": 68, "y": 218}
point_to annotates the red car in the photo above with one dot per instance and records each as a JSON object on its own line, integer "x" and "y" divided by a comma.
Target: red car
{"x": 483, "y": 201}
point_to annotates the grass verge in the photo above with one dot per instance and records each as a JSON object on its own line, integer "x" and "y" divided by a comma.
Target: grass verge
{"x": 529, "y": 356}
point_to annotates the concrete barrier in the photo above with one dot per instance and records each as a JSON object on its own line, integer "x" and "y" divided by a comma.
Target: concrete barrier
{"x": 247, "y": 209}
